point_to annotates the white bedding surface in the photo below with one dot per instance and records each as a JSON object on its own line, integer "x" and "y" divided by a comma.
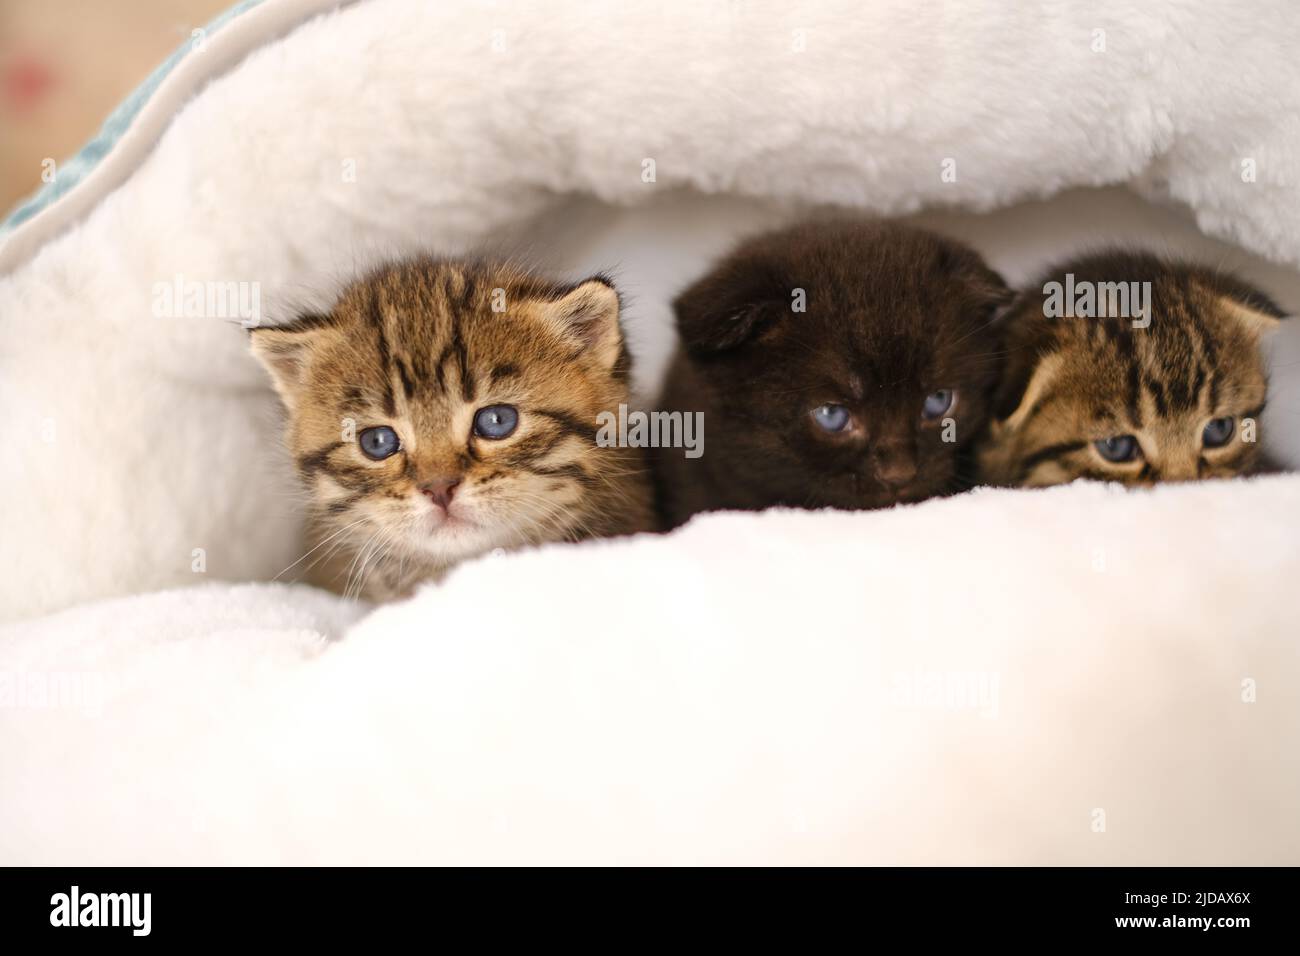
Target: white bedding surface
{"x": 889, "y": 687}
{"x": 733, "y": 692}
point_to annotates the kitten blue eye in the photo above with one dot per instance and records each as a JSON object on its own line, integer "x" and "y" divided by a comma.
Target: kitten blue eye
{"x": 379, "y": 442}
{"x": 938, "y": 403}
{"x": 496, "y": 421}
{"x": 1120, "y": 448}
{"x": 833, "y": 418}
{"x": 1218, "y": 431}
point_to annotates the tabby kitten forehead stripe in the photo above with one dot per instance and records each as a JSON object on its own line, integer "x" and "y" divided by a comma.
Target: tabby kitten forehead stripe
{"x": 445, "y": 409}
{"x": 1099, "y": 397}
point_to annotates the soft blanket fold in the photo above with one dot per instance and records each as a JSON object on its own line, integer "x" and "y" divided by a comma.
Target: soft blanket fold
{"x": 790, "y": 687}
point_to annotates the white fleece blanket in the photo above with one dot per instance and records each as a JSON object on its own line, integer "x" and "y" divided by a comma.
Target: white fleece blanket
{"x": 874, "y": 688}
{"x": 1077, "y": 675}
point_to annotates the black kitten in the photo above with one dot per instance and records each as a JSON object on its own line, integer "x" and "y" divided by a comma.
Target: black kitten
{"x": 844, "y": 364}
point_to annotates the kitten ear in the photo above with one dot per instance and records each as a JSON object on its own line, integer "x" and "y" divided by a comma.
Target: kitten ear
{"x": 984, "y": 287}
{"x": 1024, "y": 337}
{"x": 703, "y": 334}
{"x": 588, "y": 315}
{"x": 1255, "y": 322}
{"x": 732, "y": 305}
{"x": 285, "y": 350}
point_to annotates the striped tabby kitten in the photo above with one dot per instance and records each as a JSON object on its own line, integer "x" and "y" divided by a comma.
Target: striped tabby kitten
{"x": 1169, "y": 390}
{"x": 445, "y": 409}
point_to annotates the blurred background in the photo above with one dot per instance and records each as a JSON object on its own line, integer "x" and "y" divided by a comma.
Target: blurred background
{"x": 64, "y": 66}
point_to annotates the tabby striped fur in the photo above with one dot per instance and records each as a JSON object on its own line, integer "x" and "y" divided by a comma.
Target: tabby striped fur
{"x": 1071, "y": 382}
{"x": 419, "y": 347}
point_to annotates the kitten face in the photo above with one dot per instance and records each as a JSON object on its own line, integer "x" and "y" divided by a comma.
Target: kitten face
{"x": 864, "y": 399}
{"x": 429, "y": 428}
{"x": 1094, "y": 397}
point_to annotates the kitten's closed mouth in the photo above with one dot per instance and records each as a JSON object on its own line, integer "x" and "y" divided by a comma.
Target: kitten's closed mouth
{"x": 451, "y": 523}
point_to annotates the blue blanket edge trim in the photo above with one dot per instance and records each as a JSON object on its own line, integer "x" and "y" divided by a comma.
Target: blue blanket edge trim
{"x": 74, "y": 170}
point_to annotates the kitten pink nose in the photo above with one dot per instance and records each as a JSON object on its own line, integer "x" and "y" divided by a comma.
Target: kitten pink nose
{"x": 440, "y": 490}
{"x": 894, "y": 468}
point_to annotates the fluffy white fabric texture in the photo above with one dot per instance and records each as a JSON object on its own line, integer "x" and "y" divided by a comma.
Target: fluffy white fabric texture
{"x": 850, "y": 691}
{"x": 754, "y": 688}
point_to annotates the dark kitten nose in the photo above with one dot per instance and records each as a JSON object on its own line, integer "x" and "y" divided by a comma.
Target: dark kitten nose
{"x": 440, "y": 490}
{"x": 893, "y": 467}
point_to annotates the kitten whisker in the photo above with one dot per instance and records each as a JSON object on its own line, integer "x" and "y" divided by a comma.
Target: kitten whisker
{"x": 326, "y": 541}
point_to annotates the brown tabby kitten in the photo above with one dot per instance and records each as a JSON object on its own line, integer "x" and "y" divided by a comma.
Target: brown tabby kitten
{"x": 445, "y": 409}
{"x": 868, "y": 396}
{"x": 1100, "y": 397}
